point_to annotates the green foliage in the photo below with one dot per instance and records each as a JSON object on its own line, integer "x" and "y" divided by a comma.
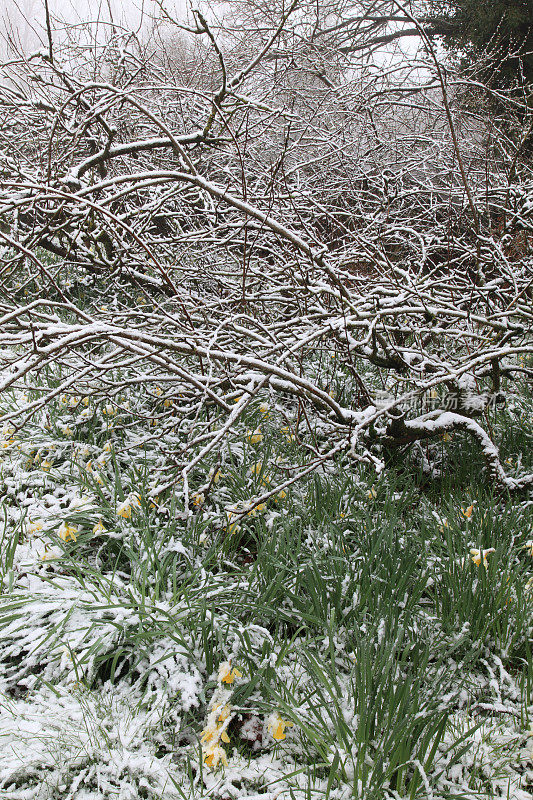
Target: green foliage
{"x": 352, "y": 606}
{"x": 501, "y": 29}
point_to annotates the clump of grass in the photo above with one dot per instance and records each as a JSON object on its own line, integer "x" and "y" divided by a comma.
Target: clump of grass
{"x": 367, "y": 638}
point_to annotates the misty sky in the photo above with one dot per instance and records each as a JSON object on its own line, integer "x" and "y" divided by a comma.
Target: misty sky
{"x": 22, "y": 22}
{"x": 24, "y": 19}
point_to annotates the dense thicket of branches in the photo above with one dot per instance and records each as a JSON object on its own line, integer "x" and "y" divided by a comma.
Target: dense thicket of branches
{"x": 222, "y": 207}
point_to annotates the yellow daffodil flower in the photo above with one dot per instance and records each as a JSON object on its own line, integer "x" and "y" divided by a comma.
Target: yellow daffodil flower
{"x": 254, "y": 437}
{"x": 49, "y": 553}
{"x": 208, "y": 734}
{"x": 198, "y": 498}
{"x": 256, "y": 510}
{"x": 227, "y": 673}
{"x": 276, "y": 725}
{"x": 529, "y": 547}
{"x": 215, "y": 755}
{"x": 467, "y": 512}
{"x": 232, "y": 527}
{"x": 99, "y": 527}
{"x": 34, "y": 526}
{"x": 216, "y": 731}
{"x": 224, "y": 713}
{"x": 256, "y": 468}
{"x": 289, "y": 437}
{"x": 371, "y": 494}
{"x": 479, "y": 556}
{"x": 125, "y": 508}
{"x": 67, "y": 532}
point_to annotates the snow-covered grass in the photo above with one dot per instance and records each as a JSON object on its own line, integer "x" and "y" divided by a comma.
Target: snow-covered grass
{"x": 354, "y": 636}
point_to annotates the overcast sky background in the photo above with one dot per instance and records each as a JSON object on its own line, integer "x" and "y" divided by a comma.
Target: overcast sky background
{"x": 23, "y": 22}
{"x": 25, "y": 18}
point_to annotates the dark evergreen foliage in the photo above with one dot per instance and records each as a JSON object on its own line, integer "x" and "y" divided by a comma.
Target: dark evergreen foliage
{"x": 500, "y": 29}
